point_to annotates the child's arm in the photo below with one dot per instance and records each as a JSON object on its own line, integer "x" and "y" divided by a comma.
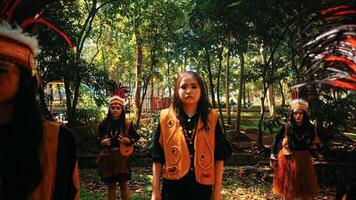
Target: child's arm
{"x": 219, "y": 169}
{"x": 157, "y": 172}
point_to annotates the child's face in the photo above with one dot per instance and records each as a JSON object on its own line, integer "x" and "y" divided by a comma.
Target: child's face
{"x": 9, "y": 81}
{"x": 189, "y": 90}
{"x": 115, "y": 110}
{"x": 298, "y": 116}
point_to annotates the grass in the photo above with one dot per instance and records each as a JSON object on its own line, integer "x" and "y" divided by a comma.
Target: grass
{"x": 239, "y": 183}
{"x": 249, "y": 121}
{"x": 92, "y": 188}
{"x": 140, "y": 185}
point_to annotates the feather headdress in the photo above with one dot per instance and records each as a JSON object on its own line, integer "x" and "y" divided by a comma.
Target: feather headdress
{"x": 118, "y": 96}
{"x": 331, "y": 56}
{"x": 15, "y": 17}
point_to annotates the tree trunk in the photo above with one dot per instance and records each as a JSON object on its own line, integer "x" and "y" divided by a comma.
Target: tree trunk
{"x": 75, "y": 100}
{"x": 227, "y": 100}
{"x": 270, "y": 99}
{"x": 145, "y": 86}
{"x": 210, "y": 76}
{"x": 168, "y": 75}
{"x": 152, "y": 95}
{"x": 263, "y": 96}
{"x": 282, "y": 94}
{"x": 244, "y": 94}
{"x": 260, "y": 121}
{"x": 138, "y": 87}
{"x": 68, "y": 98}
{"x": 238, "y": 120}
{"x": 218, "y": 92}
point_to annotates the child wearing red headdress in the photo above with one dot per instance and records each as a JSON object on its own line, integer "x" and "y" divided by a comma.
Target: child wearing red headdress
{"x": 116, "y": 136}
{"x": 294, "y": 175}
{"x": 37, "y": 156}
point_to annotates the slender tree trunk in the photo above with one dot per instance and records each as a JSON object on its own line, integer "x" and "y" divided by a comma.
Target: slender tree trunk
{"x": 68, "y": 97}
{"x": 282, "y": 94}
{"x": 263, "y": 96}
{"x": 210, "y": 76}
{"x": 238, "y": 120}
{"x": 270, "y": 99}
{"x": 227, "y": 100}
{"x": 153, "y": 63}
{"x": 75, "y": 101}
{"x": 244, "y": 94}
{"x": 218, "y": 91}
{"x": 260, "y": 132}
{"x": 138, "y": 87}
{"x": 145, "y": 86}
{"x": 168, "y": 75}
{"x": 44, "y": 107}
{"x": 152, "y": 104}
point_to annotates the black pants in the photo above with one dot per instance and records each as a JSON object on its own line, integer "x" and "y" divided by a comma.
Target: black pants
{"x": 185, "y": 189}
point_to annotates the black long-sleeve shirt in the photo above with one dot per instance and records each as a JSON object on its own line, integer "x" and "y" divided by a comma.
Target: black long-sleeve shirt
{"x": 299, "y": 139}
{"x": 105, "y": 130}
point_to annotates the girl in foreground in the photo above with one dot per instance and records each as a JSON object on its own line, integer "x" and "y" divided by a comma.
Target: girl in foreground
{"x": 189, "y": 145}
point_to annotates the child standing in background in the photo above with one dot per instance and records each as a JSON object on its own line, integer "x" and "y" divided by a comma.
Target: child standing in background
{"x": 116, "y": 137}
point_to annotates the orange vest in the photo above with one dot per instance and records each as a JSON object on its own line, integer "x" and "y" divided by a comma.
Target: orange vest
{"x": 48, "y": 155}
{"x": 176, "y": 150}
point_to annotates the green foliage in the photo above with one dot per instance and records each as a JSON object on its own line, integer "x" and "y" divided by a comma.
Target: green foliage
{"x": 175, "y": 35}
{"x": 88, "y": 110}
{"x": 334, "y": 112}
{"x": 272, "y": 124}
{"x": 147, "y": 129}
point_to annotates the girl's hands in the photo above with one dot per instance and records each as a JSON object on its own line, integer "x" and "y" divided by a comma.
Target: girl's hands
{"x": 106, "y": 142}
{"x": 273, "y": 162}
{"x": 124, "y": 139}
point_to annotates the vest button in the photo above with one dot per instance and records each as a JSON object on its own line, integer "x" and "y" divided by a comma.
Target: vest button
{"x": 191, "y": 156}
{"x": 191, "y": 169}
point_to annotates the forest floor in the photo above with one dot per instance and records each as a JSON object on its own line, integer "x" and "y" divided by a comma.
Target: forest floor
{"x": 247, "y": 175}
{"x": 242, "y": 180}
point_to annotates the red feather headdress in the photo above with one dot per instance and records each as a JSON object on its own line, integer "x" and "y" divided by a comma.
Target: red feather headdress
{"x": 15, "y": 17}
{"x": 331, "y": 56}
{"x": 119, "y": 96}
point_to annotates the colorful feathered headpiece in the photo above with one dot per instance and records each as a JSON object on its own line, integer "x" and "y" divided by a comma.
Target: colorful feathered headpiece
{"x": 299, "y": 104}
{"x": 15, "y": 17}
{"x": 330, "y": 56}
{"x": 119, "y": 96}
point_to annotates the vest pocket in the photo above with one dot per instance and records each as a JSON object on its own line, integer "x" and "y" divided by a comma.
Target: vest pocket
{"x": 174, "y": 155}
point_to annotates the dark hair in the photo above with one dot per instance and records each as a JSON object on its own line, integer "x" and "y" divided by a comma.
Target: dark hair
{"x": 22, "y": 165}
{"x": 203, "y": 104}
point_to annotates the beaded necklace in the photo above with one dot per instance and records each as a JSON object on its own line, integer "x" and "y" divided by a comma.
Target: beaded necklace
{"x": 299, "y": 137}
{"x": 190, "y": 139}
{"x": 113, "y": 134}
